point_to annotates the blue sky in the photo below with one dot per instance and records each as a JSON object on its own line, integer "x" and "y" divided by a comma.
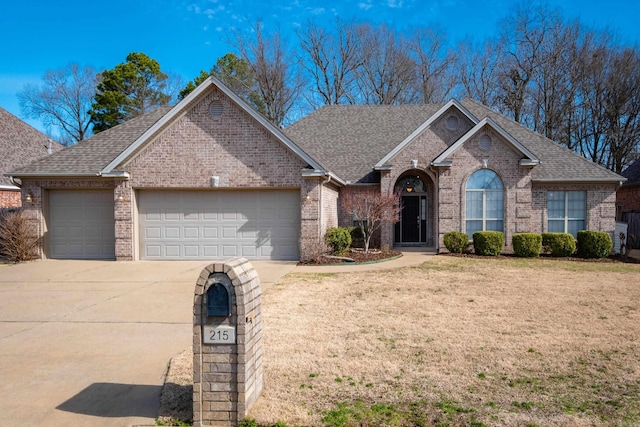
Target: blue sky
{"x": 186, "y": 36}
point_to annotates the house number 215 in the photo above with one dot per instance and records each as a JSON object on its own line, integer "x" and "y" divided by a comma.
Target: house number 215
{"x": 220, "y": 334}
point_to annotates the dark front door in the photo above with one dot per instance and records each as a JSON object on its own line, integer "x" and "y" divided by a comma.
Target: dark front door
{"x": 410, "y": 219}
{"x": 412, "y": 227}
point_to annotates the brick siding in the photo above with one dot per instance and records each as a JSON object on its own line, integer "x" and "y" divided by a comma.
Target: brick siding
{"x": 10, "y": 199}
{"x": 628, "y": 197}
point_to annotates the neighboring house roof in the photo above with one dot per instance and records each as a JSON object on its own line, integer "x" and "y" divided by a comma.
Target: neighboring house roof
{"x": 20, "y": 144}
{"x": 632, "y": 172}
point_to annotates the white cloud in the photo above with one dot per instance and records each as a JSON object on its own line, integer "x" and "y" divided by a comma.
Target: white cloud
{"x": 205, "y": 28}
{"x": 219, "y": 29}
{"x": 318, "y": 11}
{"x": 365, "y": 5}
{"x": 194, "y": 8}
{"x": 394, "y": 4}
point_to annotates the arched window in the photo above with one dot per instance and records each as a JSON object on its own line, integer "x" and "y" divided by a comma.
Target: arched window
{"x": 485, "y": 202}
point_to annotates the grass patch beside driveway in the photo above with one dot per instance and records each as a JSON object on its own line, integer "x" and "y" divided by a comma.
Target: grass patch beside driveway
{"x": 455, "y": 341}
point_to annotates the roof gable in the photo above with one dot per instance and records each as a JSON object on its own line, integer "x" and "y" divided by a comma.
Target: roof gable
{"x": 529, "y": 159}
{"x": 557, "y": 163}
{"x": 180, "y": 109}
{"x": 441, "y": 112}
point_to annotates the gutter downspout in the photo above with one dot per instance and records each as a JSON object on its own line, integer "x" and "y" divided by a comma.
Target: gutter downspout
{"x": 320, "y": 203}
{"x": 12, "y": 180}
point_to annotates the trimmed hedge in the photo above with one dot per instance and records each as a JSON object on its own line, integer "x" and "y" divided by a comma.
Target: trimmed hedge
{"x": 527, "y": 244}
{"x": 594, "y": 244}
{"x": 338, "y": 239}
{"x": 559, "y": 244}
{"x": 456, "y": 242}
{"x": 488, "y": 242}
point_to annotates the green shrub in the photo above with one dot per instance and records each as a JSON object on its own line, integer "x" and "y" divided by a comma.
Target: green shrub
{"x": 594, "y": 244}
{"x": 488, "y": 242}
{"x": 559, "y": 244}
{"x": 527, "y": 244}
{"x": 357, "y": 236}
{"x": 338, "y": 239}
{"x": 456, "y": 242}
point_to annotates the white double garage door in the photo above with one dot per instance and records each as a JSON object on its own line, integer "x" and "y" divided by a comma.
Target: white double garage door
{"x": 174, "y": 225}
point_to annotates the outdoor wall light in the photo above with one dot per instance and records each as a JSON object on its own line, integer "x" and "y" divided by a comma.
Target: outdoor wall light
{"x": 120, "y": 197}
{"x": 29, "y": 197}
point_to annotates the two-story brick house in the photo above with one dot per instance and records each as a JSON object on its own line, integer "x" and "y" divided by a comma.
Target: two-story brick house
{"x": 211, "y": 178}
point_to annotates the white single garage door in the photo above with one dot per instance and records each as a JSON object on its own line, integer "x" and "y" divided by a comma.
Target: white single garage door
{"x": 81, "y": 224}
{"x": 218, "y": 224}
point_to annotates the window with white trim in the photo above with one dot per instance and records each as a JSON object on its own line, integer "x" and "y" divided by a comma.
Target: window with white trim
{"x": 567, "y": 211}
{"x": 484, "y": 202}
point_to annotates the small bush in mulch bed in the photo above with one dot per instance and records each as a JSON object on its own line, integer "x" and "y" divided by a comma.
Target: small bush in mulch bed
{"x": 594, "y": 244}
{"x": 559, "y": 244}
{"x": 488, "y": 243}
{"x": 527, "y": 244}
{"x": 456, "y": 242}
{"x": 338, "y": 239}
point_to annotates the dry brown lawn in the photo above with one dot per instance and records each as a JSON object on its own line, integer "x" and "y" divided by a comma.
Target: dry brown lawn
{"x": 455, "y": 341}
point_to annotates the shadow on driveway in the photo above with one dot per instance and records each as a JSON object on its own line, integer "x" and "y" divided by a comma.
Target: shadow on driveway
{"x": 115, "y": 400}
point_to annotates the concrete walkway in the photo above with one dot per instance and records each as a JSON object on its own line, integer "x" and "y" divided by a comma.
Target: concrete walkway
{"x": 87, "y": 342}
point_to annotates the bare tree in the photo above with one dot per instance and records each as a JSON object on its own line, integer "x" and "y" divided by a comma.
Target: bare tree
{"x": 331, "y": 60}
{"x": 477, "y": 68}
{"x": 387, "y": 75}
{"x": 62, "y": 101}
{"x": 434, "y": 62}
{"x": 278, "y": 82}
{"x": 370, "y": 209}
{"x": 523, "y": 37}
{"x": 622, "y": 114}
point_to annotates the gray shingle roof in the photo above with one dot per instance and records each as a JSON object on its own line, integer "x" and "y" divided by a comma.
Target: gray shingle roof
{"x": 350, "y": 139}
{"x": 90, "y": 156}
{"x": 20, "y": 144}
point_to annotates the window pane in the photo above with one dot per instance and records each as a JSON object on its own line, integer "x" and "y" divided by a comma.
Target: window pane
{"x": 555, "y": 204}
{"x": 474, "y": 204}
{"x": 484, "y": 179}
{"x": 472, "y": 227}
{"x": 576, "y": 204}
{"x": 556, "y": 226}
{"x": 494, "y": 225}
{"x": 494, "y": 205}
{"x": 575, "y": 226}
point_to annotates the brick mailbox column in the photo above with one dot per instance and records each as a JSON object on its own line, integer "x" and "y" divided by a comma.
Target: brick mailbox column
{"x": 227, "y": 345}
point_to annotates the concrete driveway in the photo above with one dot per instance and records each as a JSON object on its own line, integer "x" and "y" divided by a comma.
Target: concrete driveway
{"x": 87, "y": 342}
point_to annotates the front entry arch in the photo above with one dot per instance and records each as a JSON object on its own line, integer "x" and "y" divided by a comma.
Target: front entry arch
{"x": 415, "y": 227}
